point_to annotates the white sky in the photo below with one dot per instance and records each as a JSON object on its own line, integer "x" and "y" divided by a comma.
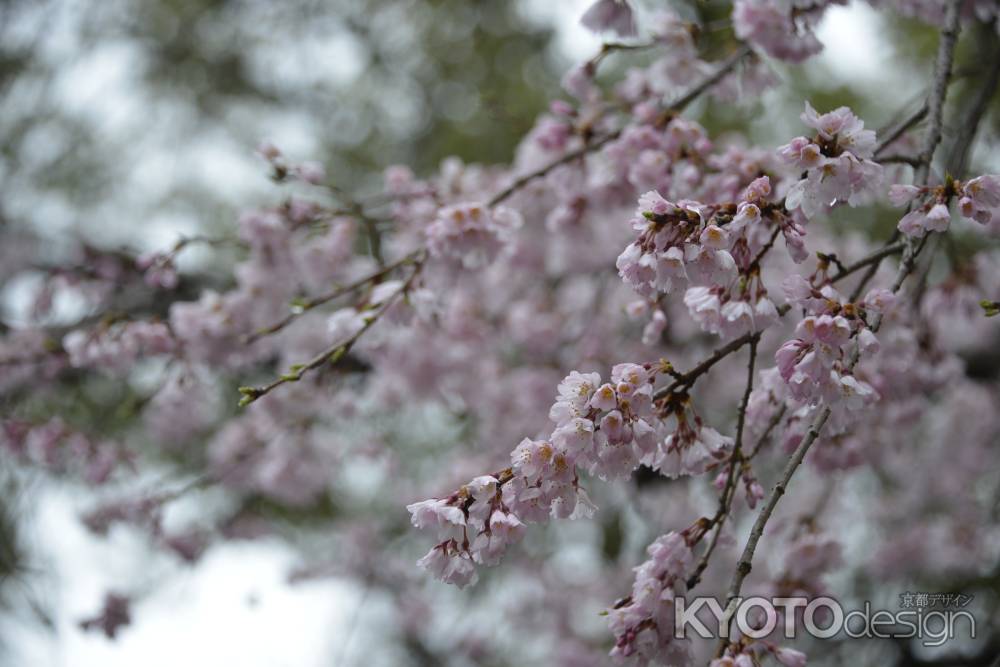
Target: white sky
{"x": 234, "y": 607}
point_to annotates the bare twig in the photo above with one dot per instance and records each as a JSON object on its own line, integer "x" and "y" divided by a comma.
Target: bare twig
{"x": 910, "y": 121}
{"x": 354, "y": 207}
{"x": 539, "y": 173}
{"x": 611, "y": 47}
{"x": 333, "y": 353}
{"x": 900, "y": 159}
{"x": 303, "y": 307}
{"x": 686, "y": 380}
{"x": 736, "y": 459}
{"x": 873, "y": 258}
{"x": 771, "y": 425}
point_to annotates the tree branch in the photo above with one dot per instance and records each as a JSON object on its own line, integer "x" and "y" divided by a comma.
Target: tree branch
{"x": 910, "y": 121}
{"x": 729, "y": 491}
{"x": 305, "y": 306}
{"x": 332, "y": 354}
{"x": 873, "y": 258}
{"x": 942, "y": 77}
{"x": 946, "y": 49}
{"x": 674, "y": 108}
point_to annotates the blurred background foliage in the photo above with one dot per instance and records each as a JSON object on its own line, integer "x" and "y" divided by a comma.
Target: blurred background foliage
{"x": 357, "y": 85}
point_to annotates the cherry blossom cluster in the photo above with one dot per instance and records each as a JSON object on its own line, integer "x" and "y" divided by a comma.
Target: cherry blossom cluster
{"x": 429, "y": 307}
{"x": 753, "y": 491}
{"x": 115, "y": 613}
{"x": 475, "y": 526}
{"x": 117, "y": 346}
{"x": 603, "y": 429}
{"x": 55, "y": 446}
{"x": 978, "y": 200}
{"x": 643, "y": 622}
{"x": 692, "y": 447}
{"x": 675, "y": 246}
{"x": 836, "y": 162}
{"x": 158, "y": 269}
{"x": 713, "y": 250}
{"x": 308, "y": 172}
{"x": 816, "y": 363}
{"x": 471, "y": 234}
{"x": 610, "y": 15}
{"x": 782, "y": 28}
{"x": 745, "y": 656}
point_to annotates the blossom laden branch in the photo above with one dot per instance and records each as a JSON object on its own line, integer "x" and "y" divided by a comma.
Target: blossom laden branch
{"x": 942, "y": 74}
{"x": 674, "y": 108}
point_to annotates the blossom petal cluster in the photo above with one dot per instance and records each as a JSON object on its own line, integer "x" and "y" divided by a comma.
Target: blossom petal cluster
{"x": 815, "y": 364}
{"x": 601, "y": 428}
{"x": 470, "y": 233}
{"x": 978, "y": 200}
{"x": 784, "y": 29}
{"x": 714, "y": 251}
{"x": 693, "y": 446}
{"x": 643, "y": 622}
{"x": 117, "y": 347}
{"x": 610, "y": 15}
{"x": 836, "y": 161}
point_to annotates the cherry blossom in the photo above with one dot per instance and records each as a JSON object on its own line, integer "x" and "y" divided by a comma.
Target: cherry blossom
{"x": 836, "y": 160}
{"x": 463, "y": 329}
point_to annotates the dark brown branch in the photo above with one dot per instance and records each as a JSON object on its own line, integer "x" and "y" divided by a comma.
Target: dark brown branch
{"x": 900, "y": 159}
{"x": 685, "y": 380}
{"x": 539, "y": 173}
{"x": 873, "y": 258}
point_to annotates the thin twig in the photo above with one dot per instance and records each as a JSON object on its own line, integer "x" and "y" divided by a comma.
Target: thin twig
{"x": 873, "y": 258}
{"x": 303, "y": 307}
{"x": 538, "y": 173}
{"x": 685, "y": 380}
{"x": 900, "y": 159}
{"x": 611, "y": 47}
{"x": 371, "y": 224}
{"x": 333, "y": 353}
{"x": 771, "y": 425}
{"x": 912, "y": 120}
{"x": 736, "y": 459}
{"x": 676, "y": 107}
